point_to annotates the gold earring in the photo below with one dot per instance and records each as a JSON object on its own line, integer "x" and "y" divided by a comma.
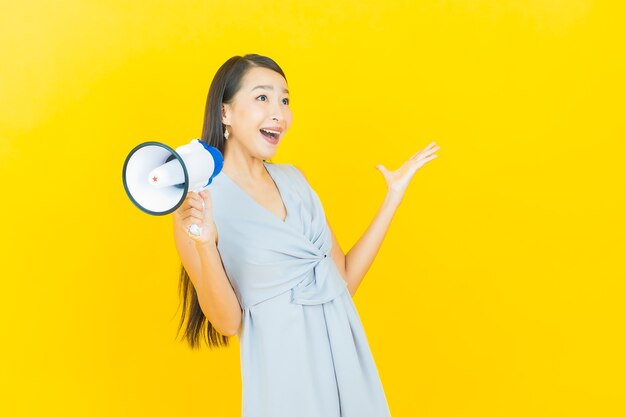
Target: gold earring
{"x": 226, "y": 134}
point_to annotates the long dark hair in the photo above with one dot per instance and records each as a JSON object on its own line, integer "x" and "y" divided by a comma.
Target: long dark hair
{"x": 225, "y": 84}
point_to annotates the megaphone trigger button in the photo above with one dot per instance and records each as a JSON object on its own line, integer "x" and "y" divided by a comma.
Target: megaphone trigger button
{"x": 195, "y": 230}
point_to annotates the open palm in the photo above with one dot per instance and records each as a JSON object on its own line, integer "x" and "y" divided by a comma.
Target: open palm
{"x": 398, "y": 180}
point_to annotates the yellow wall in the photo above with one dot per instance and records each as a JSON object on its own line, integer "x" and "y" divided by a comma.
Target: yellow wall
{"x": 498, "y": 290}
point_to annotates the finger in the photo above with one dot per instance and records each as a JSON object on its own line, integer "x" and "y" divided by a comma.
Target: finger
{"x": 425, "y": 152}
{"x": 206, "y": 198}
{"x": 423, "y": 161}
{"x": 429, "y": 152}
{"x": 425, "y": 149}
{"x": 195, "y": 204}
{"x": 194, "y": 214}
{"x": 181, "y": 210}
{"x": 193, "y": 196}
{"x": 186, "y": 202}
{"x": 416, "y": 155}
{"x": 195, "y": 200}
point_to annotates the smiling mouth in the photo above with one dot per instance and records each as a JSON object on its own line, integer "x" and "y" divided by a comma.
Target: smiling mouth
{"x": 269, "y": 134}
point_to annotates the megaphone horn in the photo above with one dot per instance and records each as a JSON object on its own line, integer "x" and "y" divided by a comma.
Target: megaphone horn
{"x": 157, "y": 178}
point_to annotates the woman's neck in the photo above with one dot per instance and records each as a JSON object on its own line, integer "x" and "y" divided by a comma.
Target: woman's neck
{"x": 244, "y": 167}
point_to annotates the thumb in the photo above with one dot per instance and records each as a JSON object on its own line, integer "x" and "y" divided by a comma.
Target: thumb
{"x": 206, "y": 198}
{"x": 382, "y": 169}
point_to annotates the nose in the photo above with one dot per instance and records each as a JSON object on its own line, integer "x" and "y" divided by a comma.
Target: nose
{"x": 278, "y": 118}
{"x": 277, "y": 113}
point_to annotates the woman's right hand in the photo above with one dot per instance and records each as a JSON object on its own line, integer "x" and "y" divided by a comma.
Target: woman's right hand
{"x": 192, "y": 211}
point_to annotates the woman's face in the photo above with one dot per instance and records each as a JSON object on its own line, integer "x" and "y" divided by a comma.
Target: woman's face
{"x": 261, "y": 104}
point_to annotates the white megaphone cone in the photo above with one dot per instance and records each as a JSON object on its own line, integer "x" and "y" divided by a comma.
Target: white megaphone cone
{"x": 157, "y": 178}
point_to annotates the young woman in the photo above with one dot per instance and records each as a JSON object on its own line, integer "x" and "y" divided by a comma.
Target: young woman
{"x": 268, "y": 267}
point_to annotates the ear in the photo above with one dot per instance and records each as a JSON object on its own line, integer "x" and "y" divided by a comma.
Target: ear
{"x": 226, "y": 110}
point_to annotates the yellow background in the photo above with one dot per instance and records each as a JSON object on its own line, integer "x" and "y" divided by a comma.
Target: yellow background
{"x": 499, "y": 288}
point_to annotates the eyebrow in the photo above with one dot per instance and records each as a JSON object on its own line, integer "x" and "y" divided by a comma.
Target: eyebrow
{"x": 268, "y": 87}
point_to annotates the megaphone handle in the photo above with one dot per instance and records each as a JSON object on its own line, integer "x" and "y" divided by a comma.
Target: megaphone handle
{"x": 194, "y": 229}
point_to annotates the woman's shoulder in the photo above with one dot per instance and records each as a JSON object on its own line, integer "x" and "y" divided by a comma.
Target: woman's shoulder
{"x": 293, "y": 172}
{"x": 287, "y": 168}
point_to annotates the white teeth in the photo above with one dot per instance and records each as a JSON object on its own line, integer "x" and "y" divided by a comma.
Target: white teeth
{"x": 271, "y": 132}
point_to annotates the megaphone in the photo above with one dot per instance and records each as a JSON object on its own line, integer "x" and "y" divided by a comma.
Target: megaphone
{"x": 157, "y": 178}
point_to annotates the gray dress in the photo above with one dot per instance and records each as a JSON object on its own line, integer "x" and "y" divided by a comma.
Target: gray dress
{"x": 303, "y": 349}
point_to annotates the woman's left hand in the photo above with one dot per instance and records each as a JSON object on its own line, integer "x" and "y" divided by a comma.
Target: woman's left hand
{"x": 398, "y": 180}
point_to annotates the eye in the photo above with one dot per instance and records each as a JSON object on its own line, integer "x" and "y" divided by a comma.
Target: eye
{"x": 262, "y": 95}
{"x": 285, "y": 101}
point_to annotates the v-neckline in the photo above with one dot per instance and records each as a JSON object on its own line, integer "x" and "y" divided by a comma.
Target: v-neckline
{"x": 280, "y": 193}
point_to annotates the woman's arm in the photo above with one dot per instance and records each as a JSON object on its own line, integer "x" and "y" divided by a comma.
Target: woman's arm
{"x": 216, "y": 296}
{"x": 354, "y": 265}
{"x": 357, "y": 262}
